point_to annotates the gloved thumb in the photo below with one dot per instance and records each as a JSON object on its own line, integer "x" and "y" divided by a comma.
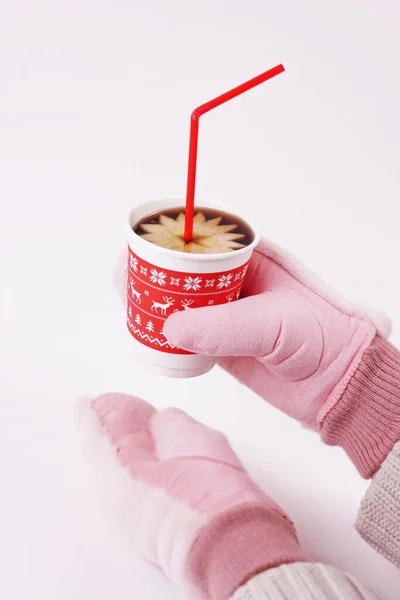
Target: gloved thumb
{"x": 273, "y": 327}
{"x": 248, "y": 327}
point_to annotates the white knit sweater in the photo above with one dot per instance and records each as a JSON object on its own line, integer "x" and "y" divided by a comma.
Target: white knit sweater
{"x": 303, "y": 581}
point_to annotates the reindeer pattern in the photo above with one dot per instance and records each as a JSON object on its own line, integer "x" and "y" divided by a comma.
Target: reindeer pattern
{"x": 163, "y": 307}
{"x": 186, "y": 304}
{"x": 137, "y": 295}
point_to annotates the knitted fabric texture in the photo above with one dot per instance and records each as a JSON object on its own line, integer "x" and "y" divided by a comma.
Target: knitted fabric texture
{"x": 378, "y": 520}
{"x": 303, "y": 581}
{"x": 239, "y": 544}
{"x": 366, "y": 420}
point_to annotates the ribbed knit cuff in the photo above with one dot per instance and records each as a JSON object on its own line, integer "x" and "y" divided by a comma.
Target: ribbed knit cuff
{"x": 303, "y": 581}
{"x": 378, "y": 520}
{"x": 365, "y": 421}
{"x": 239, "y": 544}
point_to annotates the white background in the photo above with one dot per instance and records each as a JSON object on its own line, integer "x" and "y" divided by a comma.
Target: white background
{"x": 95, "y": 99}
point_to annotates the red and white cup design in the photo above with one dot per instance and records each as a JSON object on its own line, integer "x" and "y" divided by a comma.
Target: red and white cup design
{"x": 163, "y": 281}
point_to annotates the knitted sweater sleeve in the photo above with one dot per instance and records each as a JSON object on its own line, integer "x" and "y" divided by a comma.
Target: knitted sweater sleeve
{"x": 378, "y": 520}
{"x": 303, "y": 581}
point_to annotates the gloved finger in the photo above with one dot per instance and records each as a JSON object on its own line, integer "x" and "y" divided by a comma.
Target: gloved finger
{"x": 176, "y": 435}
{"x": 125, "y": 420}
{"x": 120, "y": 276}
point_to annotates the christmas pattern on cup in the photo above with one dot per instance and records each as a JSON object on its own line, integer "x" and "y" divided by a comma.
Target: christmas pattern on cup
{"x": 155, "y": 293}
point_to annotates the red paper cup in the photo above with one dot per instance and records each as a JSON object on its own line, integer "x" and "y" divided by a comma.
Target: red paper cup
{"x": 162, "y": 281}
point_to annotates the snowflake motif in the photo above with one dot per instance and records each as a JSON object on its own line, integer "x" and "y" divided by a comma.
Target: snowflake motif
{"x": 224, "y": 281}
{"x": 174, "y": 280}
{"x": 146, "y": 292}
{"x": 176, "y": 309}
{"x": 192, "y": 283}
{"x": 162, "y": 331}
{"x": 238, "y": 276}
{"x": 238, "y": 295}
{"x": 230, "y": 297}
{"x": 130, "y": 312}
{"x": 158, "y": 277}
{"x": 210, "y": 282}
{"x": 133, "y": 263}
{"x": 245, "y": 271}
{"x": 210, "y": 302}
{"x": 143, "y": 270}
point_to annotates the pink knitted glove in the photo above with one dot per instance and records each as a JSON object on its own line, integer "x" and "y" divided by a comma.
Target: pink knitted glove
{"x": 302, "y": 347}
{"x": 189, "y": 503}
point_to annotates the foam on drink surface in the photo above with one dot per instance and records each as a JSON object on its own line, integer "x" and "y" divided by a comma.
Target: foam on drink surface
{"x": 214, "y": 232}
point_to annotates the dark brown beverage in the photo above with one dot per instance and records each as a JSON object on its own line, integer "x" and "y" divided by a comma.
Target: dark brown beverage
{"x": 214, "y": 231}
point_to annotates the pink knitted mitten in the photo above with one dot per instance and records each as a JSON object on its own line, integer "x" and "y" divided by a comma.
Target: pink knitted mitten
{"x": 190, "y": 504}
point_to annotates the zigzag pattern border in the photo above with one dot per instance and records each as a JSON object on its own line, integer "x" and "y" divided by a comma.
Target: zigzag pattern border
{"x": 145, "y": 336}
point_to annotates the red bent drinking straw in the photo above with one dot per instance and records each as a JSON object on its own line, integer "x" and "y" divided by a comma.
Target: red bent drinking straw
{"x": 194, "y": 136}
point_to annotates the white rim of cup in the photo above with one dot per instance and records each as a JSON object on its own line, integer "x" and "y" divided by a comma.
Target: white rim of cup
{"x": 175, "y": 202}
